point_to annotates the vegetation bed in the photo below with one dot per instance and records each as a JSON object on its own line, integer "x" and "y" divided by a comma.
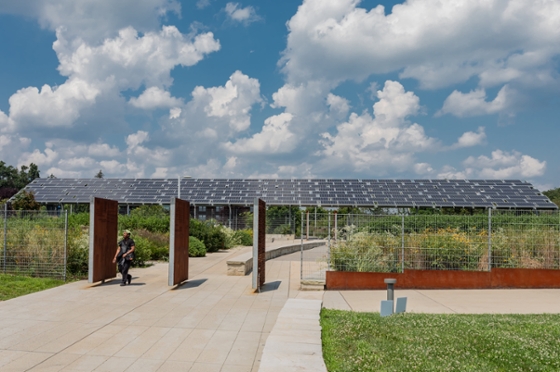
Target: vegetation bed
{"x": 12, "y": 286}
{"x": 440, "y": 342}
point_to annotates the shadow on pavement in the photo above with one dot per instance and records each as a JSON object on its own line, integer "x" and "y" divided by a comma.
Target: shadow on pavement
{"x": 189, "y": 284}
{"x": 272, "y": 286}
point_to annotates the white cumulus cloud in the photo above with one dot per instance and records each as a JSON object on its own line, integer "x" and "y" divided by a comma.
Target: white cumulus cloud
{"x": 275, "y": 137}
{"x": 232, "y": 102}
{"x": 474, "y": 103}
{"x": 155, "y": 97}
{"x": 93, "y": 20}
{"x": 387, "y": 140}
{"x": 436, "y": 42}
{"x": 239, "y": 14}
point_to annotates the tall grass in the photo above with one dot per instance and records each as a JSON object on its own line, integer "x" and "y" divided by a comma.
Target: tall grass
{"x": 449, "y": 248}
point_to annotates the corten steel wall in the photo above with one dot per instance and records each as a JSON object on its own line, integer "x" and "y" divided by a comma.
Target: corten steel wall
{"x": 179, "y": 242}
{"x": 262, "y": 241}
{"x": 103, "y": 234}
{"x": 447, "y": 279}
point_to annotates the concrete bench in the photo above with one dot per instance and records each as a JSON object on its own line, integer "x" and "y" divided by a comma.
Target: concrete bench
{"x": 243, "y": 264}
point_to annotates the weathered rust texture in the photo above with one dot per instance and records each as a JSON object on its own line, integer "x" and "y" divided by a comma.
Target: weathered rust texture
{"x": 181, "y": 241}
{"x": 104, "y": 238}
{"x": 447, "y": 279}
{"x": 262, "y": 242}
{"x": 525, "y": 278}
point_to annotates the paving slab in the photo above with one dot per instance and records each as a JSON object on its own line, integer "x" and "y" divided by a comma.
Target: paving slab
{"x": 470, "y": 301}
{"x": 295, "y": 348}
{"x": 210, "y": 323}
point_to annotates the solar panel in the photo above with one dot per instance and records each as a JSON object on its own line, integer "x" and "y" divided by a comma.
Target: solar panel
{"x": 326, "y": 192}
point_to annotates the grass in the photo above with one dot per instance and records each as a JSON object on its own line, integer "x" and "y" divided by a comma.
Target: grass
{"x": 435, "y": 342}
{"x": 14, "y": 286}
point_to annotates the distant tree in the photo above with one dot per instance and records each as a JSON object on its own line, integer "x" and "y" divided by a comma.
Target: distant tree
{"x": 27, "y": 174}
{"x": 99, "y": 174}
{"x": 8, "y": 175}
{"x": 150, "y": 211}
{"x": 553, "y": 195}
{"x": 51, "y": 176}
{"x": 12, "y": 180}
{"x": 25, "y": 201}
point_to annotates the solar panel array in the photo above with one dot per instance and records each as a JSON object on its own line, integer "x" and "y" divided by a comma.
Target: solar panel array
{"x": 405, "y": 193}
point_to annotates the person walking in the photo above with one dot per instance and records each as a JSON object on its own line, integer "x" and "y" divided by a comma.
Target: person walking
{"x": 124, "y": 256}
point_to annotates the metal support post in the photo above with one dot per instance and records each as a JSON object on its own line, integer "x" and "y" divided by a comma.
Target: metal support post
{"x": 229, "y": 220}
{"x": 335, "y": 225}
{"x": 390, "y": 288}
{"x": 65, "y": 244}
{"x": 301, "y": 255}
{"x": 315, "y": 225}
{"x": 329, "y": 244}
{"x": 402, "y": 244}
{"x": 307, "y": 234}
{"x": 489, "y": 239}
{"x": 5, "y": 234}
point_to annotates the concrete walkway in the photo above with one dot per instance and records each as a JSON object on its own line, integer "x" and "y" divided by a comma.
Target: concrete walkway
{"x": 470, "y": 301}
{"x": 213, "y": 322}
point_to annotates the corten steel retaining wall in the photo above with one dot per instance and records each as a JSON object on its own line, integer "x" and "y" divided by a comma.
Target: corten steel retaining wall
{"x": 446, "y": 279}
{"x": 103, "y": 239}
{"x": 179, "y": 242}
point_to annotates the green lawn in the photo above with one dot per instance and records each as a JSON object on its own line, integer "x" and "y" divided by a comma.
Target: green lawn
{"x": 434, "y": 342}
{"x": 14, "y": 286}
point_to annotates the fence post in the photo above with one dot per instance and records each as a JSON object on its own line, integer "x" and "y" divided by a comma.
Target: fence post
{"x": 5, "y": 234}
{"x": 301, "y": 256}
{"x": 307, "y": 234}
{"x": 315, "y": 223}
{"x": 329, "y": 244}
{"x": 402, "y": 243}
{"x": 489, "y": 239}
{"x": 335, "y": 225}
{"x": 65, "y": 243}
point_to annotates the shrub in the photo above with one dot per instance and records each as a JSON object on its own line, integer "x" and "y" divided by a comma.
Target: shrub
{"x": 282, "y": 229}
{"x": 244, "y": 237}
{"x": 209, "y": 233}
{"x": 78, "y": 252}
{"x": 362, "y": 252}
{"x": 196, "y": 247}
{"x": 25, "y": 201}
{"x": 142, "y": 251}
{"x": 78, "y": 219}
{"x": 151, "y": 223}
{"x": 145, "y": 211}
{"x": 158, "y": 243}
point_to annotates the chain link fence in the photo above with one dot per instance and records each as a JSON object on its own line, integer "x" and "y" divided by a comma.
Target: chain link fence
{"x": 478, "y": 242}
{"x": 34, "y": 243}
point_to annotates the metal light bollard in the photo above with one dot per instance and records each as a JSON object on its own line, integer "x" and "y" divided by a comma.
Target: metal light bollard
{"x": 390, "y": 289}
{"x": 387, "y": 307}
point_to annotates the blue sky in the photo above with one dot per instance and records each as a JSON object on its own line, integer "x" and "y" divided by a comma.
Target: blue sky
{"x": 312, "y": 88}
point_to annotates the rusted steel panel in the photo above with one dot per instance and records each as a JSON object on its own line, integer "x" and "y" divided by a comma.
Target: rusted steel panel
{"x": 103, "y": 239}
{"x": 354, "y": 280}
{"x": 179, "y": 242}
{"x": 525, "y": 278}
{"x": 447, "y": 279}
